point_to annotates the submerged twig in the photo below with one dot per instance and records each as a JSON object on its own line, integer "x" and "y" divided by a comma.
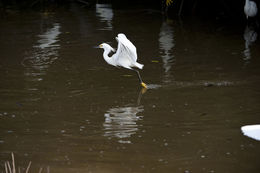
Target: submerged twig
{"x": 13, "y": 163}
{"x": 40, "y": 170}
{"x": 180, "y": 9}
{"x": 83, "y": 2}
{"x": 9, "y": 167}
{"x": 6, "y": 169}
{"x": 28, "y": 167}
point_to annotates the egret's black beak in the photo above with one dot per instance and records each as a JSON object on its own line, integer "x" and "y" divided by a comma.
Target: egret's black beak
{"x": 97, "y": 47}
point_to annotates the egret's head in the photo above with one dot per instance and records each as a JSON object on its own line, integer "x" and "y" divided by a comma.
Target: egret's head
{"x": 107, "y": 47}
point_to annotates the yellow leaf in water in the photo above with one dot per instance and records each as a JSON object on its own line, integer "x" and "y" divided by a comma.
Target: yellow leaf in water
{"x": 155, "y": 61}
{"x": 67, "y": 32}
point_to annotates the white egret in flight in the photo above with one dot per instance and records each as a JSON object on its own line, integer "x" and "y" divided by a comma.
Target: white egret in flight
{"x": 125, "y": 55}
{"x": 250, "y": 8}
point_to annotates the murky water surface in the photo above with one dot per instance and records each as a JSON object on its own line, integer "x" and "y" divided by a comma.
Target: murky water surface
{"x": 63, "y": 108}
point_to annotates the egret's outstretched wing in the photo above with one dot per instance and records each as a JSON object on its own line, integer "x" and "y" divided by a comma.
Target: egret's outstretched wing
{"x": 252, "y": 131}
{"x": 126, "y": 51}
{"x": 128, "y": 46}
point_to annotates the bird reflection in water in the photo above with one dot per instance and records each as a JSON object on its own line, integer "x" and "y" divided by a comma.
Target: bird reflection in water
{"x": 121, "y": 122}
{"x": 105, "y": 12}
{"x": 250, "y": 36}
{"x": 166, "y": 43}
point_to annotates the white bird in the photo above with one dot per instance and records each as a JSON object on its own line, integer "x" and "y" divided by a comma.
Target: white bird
{"x": 250, "y": 8}
{"x": 125, "y": 55}
{"x": 252, "y": 131}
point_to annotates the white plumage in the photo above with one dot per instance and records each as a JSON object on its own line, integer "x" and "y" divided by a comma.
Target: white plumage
{"x": 125, "y": 55}
{"x": 250, "y": 8}
{"x": 252, "y": 131}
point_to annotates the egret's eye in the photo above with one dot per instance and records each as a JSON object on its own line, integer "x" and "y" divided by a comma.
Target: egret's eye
{"x": 100, "y": 45}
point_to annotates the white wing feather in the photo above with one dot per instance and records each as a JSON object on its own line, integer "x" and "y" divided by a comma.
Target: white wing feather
{"x": 252, "y": 131}
{"x": 125, "y": 55}
{"x": 128, "y": 45}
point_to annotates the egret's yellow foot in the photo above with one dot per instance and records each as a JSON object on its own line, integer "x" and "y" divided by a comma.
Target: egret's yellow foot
{"x": 144, "y": 85}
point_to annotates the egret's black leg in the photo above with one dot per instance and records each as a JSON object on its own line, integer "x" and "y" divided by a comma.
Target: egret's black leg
{"x": 139, "y": 76}
{"x": 140, "y": 79}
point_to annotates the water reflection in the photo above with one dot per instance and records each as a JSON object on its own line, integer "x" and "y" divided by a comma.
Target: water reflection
{"x": 121, "y": 122}
{"x": 166, "y": 43}
{"x": 250, "y": 36}
{"x": 105, "y": 12}
{"x": 44, "y": 54}
{"x": 49, "y": 38}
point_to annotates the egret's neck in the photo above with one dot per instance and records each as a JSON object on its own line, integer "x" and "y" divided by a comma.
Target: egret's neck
{"x": 247, "y": 2}
{"x": 108, "y": 59}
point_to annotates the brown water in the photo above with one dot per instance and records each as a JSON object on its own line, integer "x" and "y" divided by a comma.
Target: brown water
{"x": 63, "y": 108}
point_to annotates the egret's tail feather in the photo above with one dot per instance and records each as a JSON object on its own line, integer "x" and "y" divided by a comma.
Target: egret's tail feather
{"x": 140, "y": 66}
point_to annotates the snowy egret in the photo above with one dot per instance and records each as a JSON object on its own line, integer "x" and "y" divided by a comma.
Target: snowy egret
{"x": 125, "y": 55}
{"x": 250, "y": 8}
